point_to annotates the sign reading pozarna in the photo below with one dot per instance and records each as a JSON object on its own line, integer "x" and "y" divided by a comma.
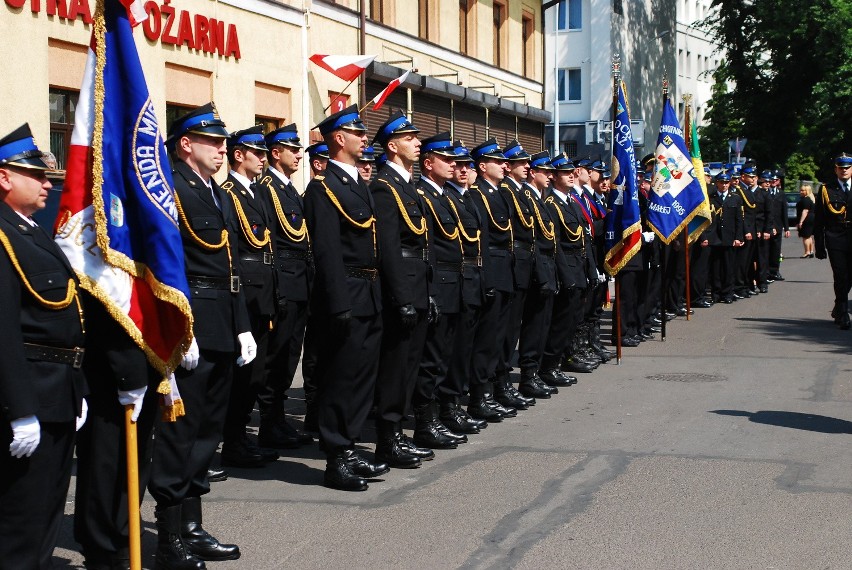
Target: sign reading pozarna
{"x": 165, "y": 23}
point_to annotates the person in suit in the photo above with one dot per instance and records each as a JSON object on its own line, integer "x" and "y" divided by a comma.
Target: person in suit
{"x": 437, "y": 160}
{"x": 256, "y": 249}
{"x": 41, "y": 383}
{"x": 538, "y": 308}
{"x": 572, "y": 269}
{"x": 763, "y": 229}
{"x": 777, "y": 211}
{"x": 346, "y": 303}
{"x": 294, "y": 267}
{"x": 746, "y": 254}
{"x": 366, "y": 162}
{"x": 833, "y": 235}
{"x": 469, "y": 339}
{"x": 184, "y": 450}
{"x": 497, "y": 213}
{"x": 405, "y": 269}
{"x": 726, "y": 235}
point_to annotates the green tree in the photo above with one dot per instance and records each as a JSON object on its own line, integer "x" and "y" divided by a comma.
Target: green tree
{"x": 788, "y": 62}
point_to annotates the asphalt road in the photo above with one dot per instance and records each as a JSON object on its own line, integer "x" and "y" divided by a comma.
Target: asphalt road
{"x": 726, "y": 446}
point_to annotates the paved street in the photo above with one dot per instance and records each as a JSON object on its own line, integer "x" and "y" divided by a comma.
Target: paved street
{"x": 729, "y": 445}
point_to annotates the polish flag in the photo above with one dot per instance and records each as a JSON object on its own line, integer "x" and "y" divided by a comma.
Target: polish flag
{"x": 346, "y": 67}
{"x": 379, "y": 99}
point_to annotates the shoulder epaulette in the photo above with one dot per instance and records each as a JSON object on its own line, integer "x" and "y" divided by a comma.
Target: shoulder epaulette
{"x": 320, "y": 177}
{"x": 227, "y": 185}
{"x": 548, "y": 200}
{"x": 266, "y": 180}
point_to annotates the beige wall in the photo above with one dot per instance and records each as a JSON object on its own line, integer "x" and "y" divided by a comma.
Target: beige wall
{"x": 39, "y": 50}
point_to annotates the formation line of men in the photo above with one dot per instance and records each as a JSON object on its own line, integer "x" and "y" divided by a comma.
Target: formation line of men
{"x": 401, "y": 297}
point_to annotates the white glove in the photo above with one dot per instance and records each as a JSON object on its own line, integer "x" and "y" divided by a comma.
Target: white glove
{"x": 248, "y": 348}
{"x": 135, "y": 398}
{"x": 26, "y": 434}
{"x": 648, "y": 237}
{"x": 81, "y": 419}
{"x": 601, "y": 277}
{"x": 190, "y": 359}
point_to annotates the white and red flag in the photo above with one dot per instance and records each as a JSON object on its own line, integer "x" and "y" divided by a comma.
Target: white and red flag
{"x": 380, "y": 98}
{"x": 118, "y": 223}
{"x": 346, "y": 67}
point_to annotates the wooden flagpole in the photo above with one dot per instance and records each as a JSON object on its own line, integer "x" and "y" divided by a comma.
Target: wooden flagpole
{"x": 133, "y": 517}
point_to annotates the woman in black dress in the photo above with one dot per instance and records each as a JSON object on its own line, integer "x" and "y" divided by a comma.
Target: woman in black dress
{"x": 804, "y": 212}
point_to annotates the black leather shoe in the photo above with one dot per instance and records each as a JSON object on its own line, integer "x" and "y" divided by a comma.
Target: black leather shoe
{"x": 479, "y": 410}
{"x": 529, "y": 388}
{"x": 764, "y": 289}
{"x": 553, "y": 377}
{"x": 754, "y": 290}
{"x": 452, "y": 417}
{"x": 507, "y": 400}
{"x": 843, "y": 322}
{"x": 778, "y": 277}
{"x": 172, "y": 553}
{"x": 574, "y": 365}
{"x": 514, "y": 392}
{"x": 629, "y": 341}
{"x": 363, "y": 468}
{"x": 506, "y": 412}
{"x": 567, "y": 377}
{"x": 241, "y": 453}
{"x": 389, "y": 450}
{"x": 701, "y": 304}
{"x": 408, "y": 445}
{"x": 216, "y": 475}
{"x": 198, "y": 541}
{"x": 458, "y": 437}
{"x": 727, "y": 300}
{"x": 338, "y": 475}
{"x": 480, "y": 424}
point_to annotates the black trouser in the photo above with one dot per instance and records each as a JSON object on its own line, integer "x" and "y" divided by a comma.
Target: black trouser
{"x": 513, "y": 333}
{"x": 489, "y": 338}
{"x": 285, "y": 349}
{"x": 650, "y": 283}
{"x": 723, "y": 268}
{"x": 310, "y": 383}
{"x": 460, "y": 370}
{"x": 775, "y": 253}
{"x": 699, "y": 270}
{"x": 628, "y": 297}
{"x": 841, "y": 266}
{"x": 100, "y": 499}
{"x": 32, "y": 496}
{"x": 345, "y": 371}
{"x": 538, "y": 312}
{"x": 401, "y": 350}
{"x": 567, "y": 314}
{"x": 183, "y": 450}
{"x": 250, "y": 384}
{"x": 763, "y": 261}
{"x": 745, "y": 266}
{"x": 676, "y": 269}
{"x": 434, "y": 362}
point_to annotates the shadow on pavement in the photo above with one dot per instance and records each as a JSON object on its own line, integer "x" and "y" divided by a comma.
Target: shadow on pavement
{"x": 793, "y": 420}
{"x": 821, "y": 333}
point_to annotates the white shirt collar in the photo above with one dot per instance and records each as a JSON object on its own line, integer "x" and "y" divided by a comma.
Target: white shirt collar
{"x": 406, "y": 175}
{"x": 26, "y": 219}
{"x": 514, "y": 182}
{"x": 457, "y": 187}
{"x": 242, "y": 180}
{"x": 349, "y": 169}
{"x": 281, "y": 176}
{"x": 432, "y": 184}
{"x": 563, "y": 197}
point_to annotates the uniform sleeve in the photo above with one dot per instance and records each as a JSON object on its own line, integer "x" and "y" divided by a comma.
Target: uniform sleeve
{"x": 387, "y": 226}
{"x": 18, "y": 397}
{"x": 330, "y": 291}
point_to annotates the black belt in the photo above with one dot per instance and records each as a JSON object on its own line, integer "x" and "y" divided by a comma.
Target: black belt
{"x": 547, "y": 252}
{"x": 444, "y": 266}
{"x": 498, "y": 248}
{"x": 416, "y": 254}
{"x": 231, "y": 284}
{"x": 72, "y": 356}
{"x": 530, "y": 247}
{"x": 302, "y": 254}
{"x": 475, "y": 261}
{"x": 265, "y": 258}
{"x": 368, "y": 273}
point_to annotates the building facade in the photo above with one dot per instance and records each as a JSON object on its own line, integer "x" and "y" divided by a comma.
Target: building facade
{"x": 653, "y": 39}
{"x": 479, "y": 63}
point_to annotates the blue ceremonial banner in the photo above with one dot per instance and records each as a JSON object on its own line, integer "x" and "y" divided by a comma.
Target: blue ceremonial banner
{"x": 676, "y": 196}
{"x": 118, "y": 222}
{"x": 623, "y": 227}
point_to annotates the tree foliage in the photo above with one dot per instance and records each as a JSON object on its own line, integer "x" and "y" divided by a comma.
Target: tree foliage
{"x": 790, "y": 67}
